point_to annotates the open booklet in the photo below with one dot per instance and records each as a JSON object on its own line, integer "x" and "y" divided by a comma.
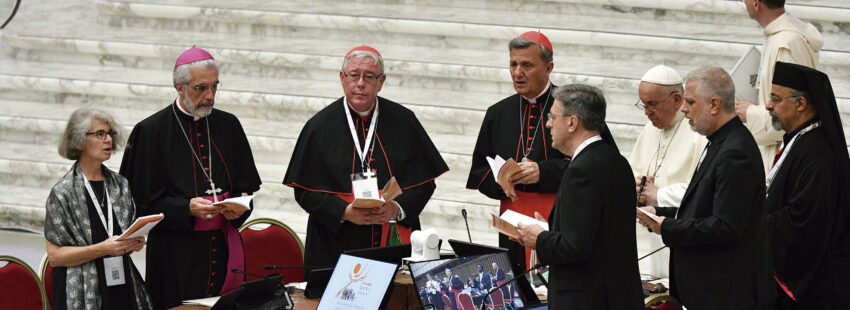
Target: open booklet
{"x": 242, "y": 203}
{"x": 503, "y": 170}
{"x": 206, "y": 302}
{"x": 142, "y": 226}
{"x": 509, "y": 220}
{"x": 745, "y": 75}
{"x": 650, "y": 215}
{"x": 390, "y": 192}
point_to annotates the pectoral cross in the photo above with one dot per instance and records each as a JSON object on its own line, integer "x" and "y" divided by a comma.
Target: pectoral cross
{"x": 369, "y": 174}
{"x": 213, "y": 191}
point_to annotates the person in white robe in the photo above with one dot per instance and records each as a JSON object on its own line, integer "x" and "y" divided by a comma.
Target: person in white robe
{"x": 786, "y": 39}
{"x": 666, "y": 153}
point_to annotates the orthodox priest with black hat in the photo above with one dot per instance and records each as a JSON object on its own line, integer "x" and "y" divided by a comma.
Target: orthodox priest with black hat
{"x": 179, "y": 161}
{"x": 351, "y": 149}
{"x": 807, "y": 198}
{"x": 515, "y": 127}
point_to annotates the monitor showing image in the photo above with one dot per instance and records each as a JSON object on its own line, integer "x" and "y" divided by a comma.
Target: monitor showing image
{"x": 463, "y": 282}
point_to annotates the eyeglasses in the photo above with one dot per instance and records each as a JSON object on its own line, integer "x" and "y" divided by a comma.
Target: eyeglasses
{"x": 776, "y": 99}
{"x": 368, "y": 77}
{"x": 204, "y": 87}
{"x": 652, "y": 108}
{"x": 552, "y": 117}
{"x": 101, "y": 134}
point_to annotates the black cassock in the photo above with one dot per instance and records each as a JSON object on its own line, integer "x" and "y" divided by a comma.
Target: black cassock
{"x": 803, "y": 212}
{"x": 325, "y": 157}
{"x": 184, "y": 263}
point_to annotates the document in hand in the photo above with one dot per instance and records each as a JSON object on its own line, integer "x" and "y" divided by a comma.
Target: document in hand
{"x": 390, "y": 192}
{"x": 242, "y": 203}
{"x": 142, "y": 226}
{"x": 509, "y": 220}
{"x": 650, "y": 215}
{"x": 745, "y": 74}
{"x": 503, "y": 170}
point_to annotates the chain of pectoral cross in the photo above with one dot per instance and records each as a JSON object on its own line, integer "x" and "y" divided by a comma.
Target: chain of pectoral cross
{"x": 213, "y": 191}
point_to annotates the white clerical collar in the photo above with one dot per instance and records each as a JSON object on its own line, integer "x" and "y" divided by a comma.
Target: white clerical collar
{"x": 534, "y": 100}
{"x": 180, "y": 107}
{"x": 585, "y": 144}
{"x": 362, "y": 114}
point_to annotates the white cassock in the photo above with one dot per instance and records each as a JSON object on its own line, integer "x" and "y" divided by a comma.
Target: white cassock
{"x": 790, "y": 40}
{"x": 670, "y": 155}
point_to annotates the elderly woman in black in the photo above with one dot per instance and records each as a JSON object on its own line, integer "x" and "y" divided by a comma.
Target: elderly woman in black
{"x": 86, "y": 211}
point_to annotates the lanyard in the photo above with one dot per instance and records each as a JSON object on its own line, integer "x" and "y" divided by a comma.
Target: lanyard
{"x": 97, "y": 205}
{"x": 785, "y": 150}
{"x": 361, "y": 152}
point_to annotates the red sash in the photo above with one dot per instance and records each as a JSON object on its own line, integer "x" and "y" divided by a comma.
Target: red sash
{"x": 404, "y": 232}
{"x": 235, "y": 253}
{"x": 526, "y": 204}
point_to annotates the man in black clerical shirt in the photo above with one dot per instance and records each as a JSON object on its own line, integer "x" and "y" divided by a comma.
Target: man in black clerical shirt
{"x": 590, "y": 247}
{"x": 719, "y": 255}
{"x": 806, "y": 197}
{"x": 179, "y": 161}
{"x": 360, "y": 140}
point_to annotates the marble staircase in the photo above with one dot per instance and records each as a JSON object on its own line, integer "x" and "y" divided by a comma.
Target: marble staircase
{"x": 446, "y": 60}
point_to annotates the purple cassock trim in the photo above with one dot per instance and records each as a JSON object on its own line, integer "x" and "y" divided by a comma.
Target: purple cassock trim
{"x": 236, "y": 256}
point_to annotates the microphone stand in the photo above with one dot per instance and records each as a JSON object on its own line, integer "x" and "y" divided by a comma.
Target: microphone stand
{"x": 484, "y": 300}
{"x": 423, "y": 307}
{"x": 653, "y": 252}
{"x": 463, "y": 212}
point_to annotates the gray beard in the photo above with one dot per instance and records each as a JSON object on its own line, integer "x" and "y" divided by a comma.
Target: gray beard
{"x": 775, "y": 121}
{"x": 196, "y": 110}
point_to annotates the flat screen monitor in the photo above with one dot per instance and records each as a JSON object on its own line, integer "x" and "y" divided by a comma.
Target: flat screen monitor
{"x": 462, "y": 283}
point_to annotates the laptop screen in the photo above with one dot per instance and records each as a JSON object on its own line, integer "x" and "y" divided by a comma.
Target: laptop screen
{"x": 464, "y": 281}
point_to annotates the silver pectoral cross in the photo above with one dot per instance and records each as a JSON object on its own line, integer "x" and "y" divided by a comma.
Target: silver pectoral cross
{"x": 213, "y": 191}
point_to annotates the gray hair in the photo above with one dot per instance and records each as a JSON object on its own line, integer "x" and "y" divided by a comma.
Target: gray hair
{"x": 183, "y": 76}
{"x": 376, "y": 59}
{"x": 714, "y": 82}
{"x": 73, "y": 140}
{"x": 584, "y": 101}
{"x": 521, "y": 43}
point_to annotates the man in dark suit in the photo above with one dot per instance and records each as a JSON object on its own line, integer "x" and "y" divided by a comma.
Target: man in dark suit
{"x": 590, "y": 246}
{"x": 484, "y": 280}
{"x": 719, "y": 251}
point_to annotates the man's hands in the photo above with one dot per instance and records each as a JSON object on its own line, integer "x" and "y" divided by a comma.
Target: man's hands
{"x": 741, "y": 106}
{"x": 648, "y": 222}
{"x": 530, "y": 173}
{"x": 528, "y": 233}
{"x": 202, "y": 208}
{"x": 377, "y": 216}
{"x": 650, "y": 191}
{"x": 233, "y": 211}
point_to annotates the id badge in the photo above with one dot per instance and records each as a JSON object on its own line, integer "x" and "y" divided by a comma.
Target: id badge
{"x": 365, "y": 185}
{"x": 114, "y": 270}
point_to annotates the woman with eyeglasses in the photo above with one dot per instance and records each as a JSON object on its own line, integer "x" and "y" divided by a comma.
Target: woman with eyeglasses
{"x": 86, "y": 211}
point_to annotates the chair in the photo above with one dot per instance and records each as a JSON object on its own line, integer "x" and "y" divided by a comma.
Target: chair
{"x": 509, "y": 299}
{"x": 662, "y": 302}
{"x": 269, "y": 242}
{"x": 20, "y": 287}
{"x": 45, "y": 272}
{"x": 497, "y": 301}
{"x": 465, "y": 301}
{"x": 447, "y": 303}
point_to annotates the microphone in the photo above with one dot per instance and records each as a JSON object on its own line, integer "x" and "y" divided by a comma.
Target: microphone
{"x": 653, "y": 252}
{"x": 463, "y": 212}
{"x": 236, "y": 270}
{"x": 484, "y": 300}
{"x": 273, "y": 267}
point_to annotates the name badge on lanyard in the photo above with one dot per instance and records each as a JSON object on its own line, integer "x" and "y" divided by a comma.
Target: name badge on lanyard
{"x": 113, "y": 267}
{"x": 365, "y": 184}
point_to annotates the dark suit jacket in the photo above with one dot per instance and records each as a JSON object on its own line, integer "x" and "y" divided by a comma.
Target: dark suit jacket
{"x": 485, "y": 281}
{"x": 590, "y": 246}
{"x": 719, "y": 252}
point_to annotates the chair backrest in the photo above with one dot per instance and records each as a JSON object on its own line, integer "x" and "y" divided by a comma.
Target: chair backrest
{"x": 662, "y": 302}
{"x": 45, "y": 272}
{"x": 497, "y": 298}
{"x": 447, "y": 303}
{"x": 510, "y": 289}
{"x": 20, "y": 287}
{"x": 465, "y": 301}
{"x": 269, "y": 242}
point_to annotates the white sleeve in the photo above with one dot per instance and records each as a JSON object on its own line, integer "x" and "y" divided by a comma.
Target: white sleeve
{"x": 671, "y": 195}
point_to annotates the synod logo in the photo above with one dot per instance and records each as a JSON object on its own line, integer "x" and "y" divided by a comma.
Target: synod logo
{"x": 357, "y": 286}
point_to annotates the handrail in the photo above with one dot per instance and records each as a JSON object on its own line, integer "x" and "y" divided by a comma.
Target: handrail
{"x": 14, "y": 10}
